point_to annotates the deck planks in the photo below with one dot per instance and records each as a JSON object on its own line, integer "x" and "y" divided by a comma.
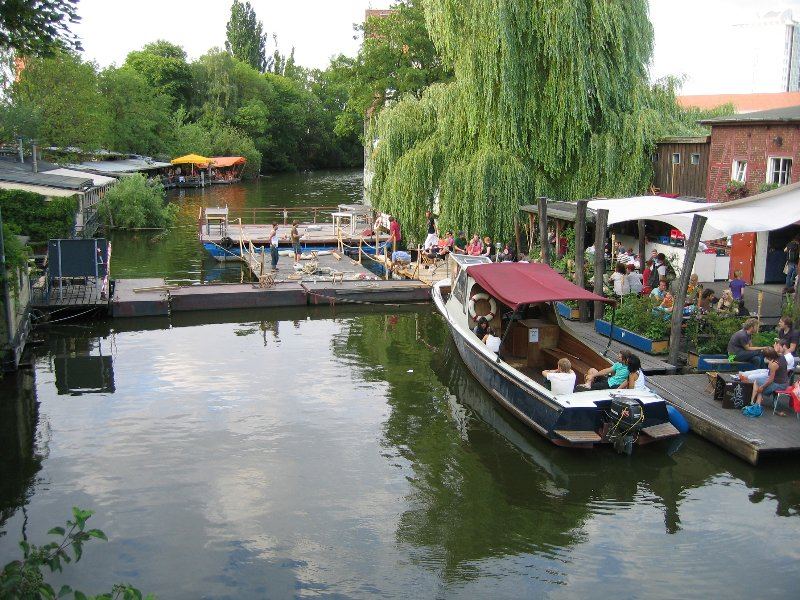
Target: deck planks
{"x": 585, "y": 332}
{"x": 746, "y": 437}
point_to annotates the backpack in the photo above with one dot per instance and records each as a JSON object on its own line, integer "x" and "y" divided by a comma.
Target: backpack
{"x": 652, "y": 281}
{"x": 670, "y": 275}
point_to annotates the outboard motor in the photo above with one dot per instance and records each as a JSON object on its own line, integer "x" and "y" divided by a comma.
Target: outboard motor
{"x": 625, "y": 418}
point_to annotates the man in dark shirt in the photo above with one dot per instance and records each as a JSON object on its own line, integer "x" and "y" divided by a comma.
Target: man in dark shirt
{"x": 740, "y": 344}
{"x": 432, "y": 238}
{"x": 792, "y": 255}
{"x": 481, "y": 328}
{"x": 460, "y": 245}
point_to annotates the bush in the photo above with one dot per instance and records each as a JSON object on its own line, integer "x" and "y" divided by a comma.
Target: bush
{"x": 710, "y": 333}
{"x": 40, "y": 219}
{"x": 137, "y": 202}
{"x": 638, "y": 314}
{"x": 766, "y": 187}
{"x": 735, "y": 189}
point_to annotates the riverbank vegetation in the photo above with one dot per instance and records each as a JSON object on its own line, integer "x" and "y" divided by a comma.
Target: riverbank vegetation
{"x": 136, "y": 202}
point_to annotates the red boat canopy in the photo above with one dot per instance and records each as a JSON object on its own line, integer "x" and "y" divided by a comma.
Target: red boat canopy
{"x": 516, "y": 284}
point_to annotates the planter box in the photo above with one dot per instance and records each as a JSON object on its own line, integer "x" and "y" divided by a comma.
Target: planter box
{"x": 701, "y": 363}
{"x": 634, "y": 340}
{"x": 569, "y": 313}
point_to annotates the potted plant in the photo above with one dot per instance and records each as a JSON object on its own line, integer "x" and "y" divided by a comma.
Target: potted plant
{"x": 638, "y": 324}
{"x": 569, "y": 310}
{"x": 735, "y": 189}
{"x": 766, "y": 187}
{"x": 708, "y": 337}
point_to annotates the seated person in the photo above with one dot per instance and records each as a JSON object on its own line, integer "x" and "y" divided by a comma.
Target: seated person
{"x": 635, "y": 380}
{"x": 727, "y": 303}
{"x": 777, "y": 380}
{"x": 562, "y": 379}
{"x": 475, "y": 247}
{"x": 760, "y": 376}
{"x": 460, "y": 243}
{"x": 787, "y": 332}
{"x": 488, "y": 247}
{"x": 492, "y": 341}
{"x": 694, "y": 289}
{"x": 661, "y": 290}
{"x": 740, "y": 344}
{"x": 609, "y": 378}
{"x": 481, "y": 327}
{"x": 442, "y": 247}
{"x": 667, "y": 303}
{"x": 507, "y": 254}
{"x": 705, "y": 302}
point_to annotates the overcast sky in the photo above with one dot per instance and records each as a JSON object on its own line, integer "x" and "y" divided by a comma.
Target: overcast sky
{"x": 687, "y": 31}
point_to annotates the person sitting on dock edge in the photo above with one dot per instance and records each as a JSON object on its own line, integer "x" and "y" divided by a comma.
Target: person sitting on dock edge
{"x": 562, "y": 379}
{"x": 609, "y": 378}
{"x": 740, "y": 346}
{"x": 432, "y": 239}
{"x": 273, "y": 246}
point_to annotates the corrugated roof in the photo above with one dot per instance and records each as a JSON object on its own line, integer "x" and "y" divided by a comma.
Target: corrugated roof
{"x": 65, "y": 182}
{"x": 684, "y": 140}
{"x": 790, "y": 114}
{"x": 131, "y": 165}
{"x": 744, "y": 103}
{"x": 37, "y": 189}
{"x": 97, "y": 180}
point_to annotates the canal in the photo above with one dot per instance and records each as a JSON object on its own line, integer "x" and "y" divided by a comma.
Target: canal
{"x": 346, "y": 452}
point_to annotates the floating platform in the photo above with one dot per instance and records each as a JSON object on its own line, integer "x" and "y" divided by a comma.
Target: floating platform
{"x": 747, "y": 438}
{"x": 140, "y": 298}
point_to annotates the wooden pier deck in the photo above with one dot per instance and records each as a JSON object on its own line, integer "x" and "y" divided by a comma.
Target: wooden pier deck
{"x": 73, "y": 296}
{"x": 745, "y": 437}
{"x": 651, "y": 365}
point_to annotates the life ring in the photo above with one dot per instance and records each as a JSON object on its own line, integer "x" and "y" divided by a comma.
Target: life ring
{"x": 492, "y": 306}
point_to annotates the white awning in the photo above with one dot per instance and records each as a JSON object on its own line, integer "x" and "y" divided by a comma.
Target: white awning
{"x": 764, "y": 212}
{"x": 99, "y": 180}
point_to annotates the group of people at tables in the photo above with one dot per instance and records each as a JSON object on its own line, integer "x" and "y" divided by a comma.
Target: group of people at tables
{"x": 439, "y": 247}
{"x": 655, "y": 282}
{"x": 625, "y": 373}
{"x": 772, "y": 365}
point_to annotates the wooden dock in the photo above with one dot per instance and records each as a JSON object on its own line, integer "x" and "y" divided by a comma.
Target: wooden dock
{"x": 72, "y": 295}
{"x": 651, "y": 365}
{"x": 747, "y": 438}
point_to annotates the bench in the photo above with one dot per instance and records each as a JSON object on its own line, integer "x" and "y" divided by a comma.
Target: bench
{"x": 580, "y": 367}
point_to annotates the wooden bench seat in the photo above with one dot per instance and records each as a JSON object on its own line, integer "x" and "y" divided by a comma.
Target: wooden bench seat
{"x": 580, "y": 367}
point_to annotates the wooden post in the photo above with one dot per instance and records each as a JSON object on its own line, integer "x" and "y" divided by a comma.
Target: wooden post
{"x": 642, "y": 243}
{"x": 580, "y": 254}
{"x": 557, "y": 250}
{"x": 360, "y": 240}
{"x": 760, "y": 304}
{"x": 541, "y": 205}
{"x": 517, "y": 236}
{"x": 600, "y": 220}
{"x": 385, "y": 263}
{"x": 531, "y": 229}
{"x": 698, "y": 222}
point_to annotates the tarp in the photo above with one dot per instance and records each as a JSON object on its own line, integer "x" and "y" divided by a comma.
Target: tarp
{"x": 227, "y": 161}
{"x": 516, "y": 284}
{"x": 191, "y": 159}
{"x": 769, "y": 211}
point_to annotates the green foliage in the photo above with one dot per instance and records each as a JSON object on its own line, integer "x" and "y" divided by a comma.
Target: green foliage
{"x": 245, "y": 36}
{"x": 230, "y": 141}
{"x": 164, "y": 67}
{"x": 39, "y": 28}
{"x": 736, "y": 189}
{"x": 63, "y": 92}
{"x": 764, "y": 338}
{"x": 638, "y": 314}
{"x": 550, "y": 98}
{"x": 710, "y": 333}
{"x": 140, "y": 117}
{"x": 766, "y": 187}
{"x": 566, "y": 264}
{"x": 25, "y": 579}
{"x": 137, "y": 202}
{"x": 33, "y": 215}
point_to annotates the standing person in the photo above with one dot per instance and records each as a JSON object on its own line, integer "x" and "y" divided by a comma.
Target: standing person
{"x": 634, "y": 279}
{"x": 395, "y": 235}
{"x": 295, "y": 235}
{"x": 620, "y": 280}
{"x": 737, "y": 286}
{"x": 432, "y": 239}
{"x": 273, "y": 246}
{"x": 648, "y": 269}
{"x": 792, "y": 256}
{"x": 562, "y": 379}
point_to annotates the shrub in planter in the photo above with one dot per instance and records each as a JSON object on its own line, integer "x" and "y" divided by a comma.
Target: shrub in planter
{"x": 710, "y": 333}
{"x": 735, "y": 189}
{"x": 638, "y": 314}
{"x": 766, "y": 187}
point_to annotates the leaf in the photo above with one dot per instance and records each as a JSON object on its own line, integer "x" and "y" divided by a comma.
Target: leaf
{"x": 57, "y": 531}
{"x": 65, "y": 589}
{"x": 46, "y": 591}
{"x": 97, "y": 533}
{"x": 80, "y": 595}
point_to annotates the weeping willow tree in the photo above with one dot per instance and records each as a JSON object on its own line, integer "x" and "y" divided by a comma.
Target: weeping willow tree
{"x": 550, "y": 97}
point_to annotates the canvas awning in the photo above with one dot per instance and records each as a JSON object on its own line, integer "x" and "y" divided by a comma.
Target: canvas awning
{"x": 191, "y": 159}
{"x": 769, "y": 211}
{"x": 515, "y": 284}
{"x": 227, "y": 161}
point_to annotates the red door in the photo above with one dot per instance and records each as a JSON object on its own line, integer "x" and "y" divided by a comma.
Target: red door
{"x": 743, "y": 255}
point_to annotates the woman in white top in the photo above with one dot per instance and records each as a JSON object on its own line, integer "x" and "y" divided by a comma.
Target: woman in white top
{"x": 492, "y": 341}
{"x": 635, "y": 380}
{"x": 562, "y": 379}
{"x": 620, "y": 281}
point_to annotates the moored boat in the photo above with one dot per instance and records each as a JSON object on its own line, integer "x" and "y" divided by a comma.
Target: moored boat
{"x": 518, "y": 299}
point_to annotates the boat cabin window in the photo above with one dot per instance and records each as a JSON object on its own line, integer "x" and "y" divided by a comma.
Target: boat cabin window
{"x": 460, "y": 289}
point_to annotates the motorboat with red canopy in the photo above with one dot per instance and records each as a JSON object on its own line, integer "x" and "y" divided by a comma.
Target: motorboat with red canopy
{"x": 517, "y": 300}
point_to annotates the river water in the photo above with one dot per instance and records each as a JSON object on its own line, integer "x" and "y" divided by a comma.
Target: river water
{"x": 346, "y": 452}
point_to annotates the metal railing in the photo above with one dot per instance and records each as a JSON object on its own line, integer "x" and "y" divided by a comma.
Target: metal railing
{"x": 285, "y": 215}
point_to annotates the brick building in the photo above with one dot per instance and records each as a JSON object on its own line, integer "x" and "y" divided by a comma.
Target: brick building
{"x": 757, "y": 149}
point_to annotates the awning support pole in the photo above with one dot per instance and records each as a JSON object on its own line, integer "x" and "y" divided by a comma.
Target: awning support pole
{"x": 600, "y": 220}
{"x": 611, "y": 330}
{"x": 544, "y": 240}
{"x": 698, "y": 222}
{"x": 580, "y": 255}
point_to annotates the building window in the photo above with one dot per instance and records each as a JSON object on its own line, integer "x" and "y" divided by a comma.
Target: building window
{"x": 694, "y": 159}
{"x": 676, "y": 158}
{"x": 739, "y": 170}
{"x": 780, "y": 170}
